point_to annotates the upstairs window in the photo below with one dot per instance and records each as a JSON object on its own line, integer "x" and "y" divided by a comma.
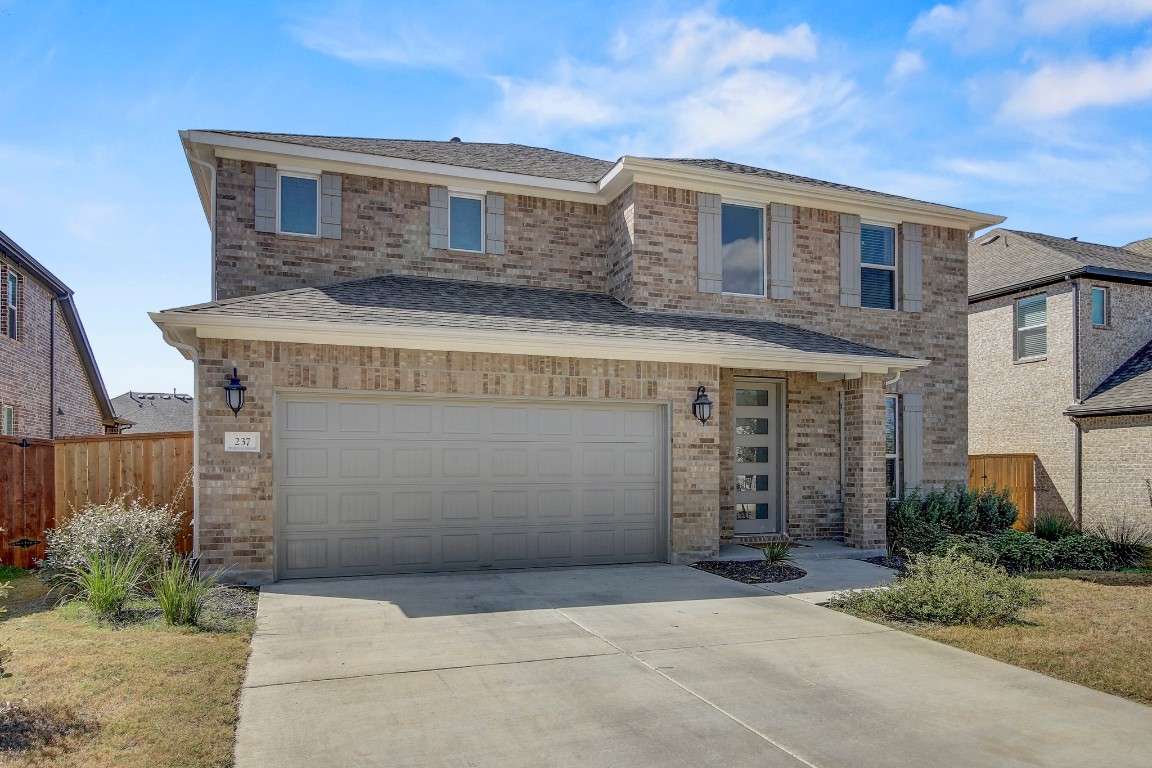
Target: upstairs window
{"x": 466, "y": 223}
{"x": 12, "y": 305}
{"x": 1100, "y": 308}
{"x": 742, "y": 249}
{"x": 8, "y": 421}
{"x": 877, "y": 266}
{"x": 299, "y": 204}
{"x": 1031, "y": 327}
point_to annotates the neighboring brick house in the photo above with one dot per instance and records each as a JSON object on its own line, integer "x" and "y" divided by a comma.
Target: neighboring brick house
{"x": 462, "y": 355}
{"x": 49, "y": 383}
{"x": 1060, "y": 348}
{"x": 144, "y": 412}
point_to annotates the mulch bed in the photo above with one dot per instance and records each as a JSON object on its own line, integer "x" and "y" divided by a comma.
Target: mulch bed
{"x": 750, "y": 571}
{"x": 895, "y": 562}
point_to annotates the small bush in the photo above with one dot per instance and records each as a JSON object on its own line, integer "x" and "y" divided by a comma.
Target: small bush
{"x": 973, "y": 545}
{"x": 953, "y": 589}
{"x": 120, "y": 527}
{"x": 107, "y": 581}
{"x": 1128, "y": 535}
{"x": 1017, "y": 551}
{"x": 1082, "y": 553}
{"x": 918, "y": 522}
{"x": 181, "y": 593}
{"x": 778, "y": 553}
{"x": 1053, "y": 526}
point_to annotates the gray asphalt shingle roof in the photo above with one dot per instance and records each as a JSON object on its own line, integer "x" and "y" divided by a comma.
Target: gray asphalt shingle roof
{"x": 155, "y": 411}
{"x": 396, "y": 300}
{"x": 509, "y": 158}
{"x": 1004, "y": 258}
{"x": 1128, "y": 389}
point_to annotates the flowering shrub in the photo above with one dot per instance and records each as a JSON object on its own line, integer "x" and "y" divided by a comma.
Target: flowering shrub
{"x": 120, "y": 528}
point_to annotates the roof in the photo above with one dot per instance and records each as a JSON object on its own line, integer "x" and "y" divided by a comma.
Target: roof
{"x": 154, "y": 411}
{"x": 30, "y": 267}
{"x": 510, "y": 158}
{"x": 1141, "y": 246}
{"x": 1006, "y": 260}
{"x": 459, "y": 307}
{"x": 1127, "y": 390}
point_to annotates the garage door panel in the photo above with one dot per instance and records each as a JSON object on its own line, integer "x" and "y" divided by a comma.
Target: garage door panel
{"x": 392, "y": 486}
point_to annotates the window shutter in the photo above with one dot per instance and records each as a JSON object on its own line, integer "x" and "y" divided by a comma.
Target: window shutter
{"x": 494, "y": 224}
{"x": 438, "y": 217}
{"x": 265, "y": 198}
{"x": 781, "y": 245}
{"x": 912, "y": 255}
{"x": 708, "y": 234}
{"x": 849, "y": 260}
{"x": 913, "y": 442}
{"x": 331, "y": 203}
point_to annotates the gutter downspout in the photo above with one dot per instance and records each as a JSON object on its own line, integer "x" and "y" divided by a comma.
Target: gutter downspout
{"x": 211, "y": 216}
{"x": 1078, "y": 435}
{"x": 194, "y": 355}
{"x": 52, "y": 305}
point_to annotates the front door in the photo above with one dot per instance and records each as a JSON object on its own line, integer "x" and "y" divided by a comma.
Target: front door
{"x": 759, "y": 456}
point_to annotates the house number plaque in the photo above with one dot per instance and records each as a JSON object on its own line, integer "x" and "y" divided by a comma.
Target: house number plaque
{"x": 245, "y": 442}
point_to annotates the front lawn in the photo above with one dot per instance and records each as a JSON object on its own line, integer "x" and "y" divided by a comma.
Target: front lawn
{"x": 140, "y": 694}
{"x": 1088, "y": 633}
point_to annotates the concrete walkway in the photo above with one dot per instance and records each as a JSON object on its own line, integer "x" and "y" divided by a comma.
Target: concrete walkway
{"x": 831, "y": 566}
{"x": 638, "y": 666}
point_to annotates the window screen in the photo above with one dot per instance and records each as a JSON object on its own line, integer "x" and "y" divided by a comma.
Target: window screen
{"x": 877, "y": 266}
{"x": 465, "y": 224}
{"x": 742, "y": 249}
{"x": 298, "y": 205}
{"x": 1032, "y": 327}
{"x": 1099, "y": 306}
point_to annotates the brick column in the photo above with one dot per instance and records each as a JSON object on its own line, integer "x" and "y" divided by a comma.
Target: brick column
{"x": 864, "y": 492}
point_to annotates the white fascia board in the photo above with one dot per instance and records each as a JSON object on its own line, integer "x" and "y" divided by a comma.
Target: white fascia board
{"x": 199, "y": 178}
{"x": 362, "y": 164}
{"x": 759, "y": 189}
{"x": 181, "y": 324}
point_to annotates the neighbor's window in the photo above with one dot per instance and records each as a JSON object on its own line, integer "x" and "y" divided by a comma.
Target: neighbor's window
{"x": 8, "y": 421}
{"x": 12, "y": 304}
{"x": 1099, "y": 305}
{"x": 877, "y": 266}
{"x": 892, "y": 445}
{"x": 1031, "y": 327}
{"x": 466, "y": 223}
{"x": 299, "y": 204}
{"x": 742, "y": 249}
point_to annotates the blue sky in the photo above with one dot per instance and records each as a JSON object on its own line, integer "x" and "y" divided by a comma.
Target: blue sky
{"x": 1034, "y": 109}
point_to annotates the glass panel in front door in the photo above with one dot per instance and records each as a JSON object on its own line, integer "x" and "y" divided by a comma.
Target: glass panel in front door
{"x": 756, "y": 494}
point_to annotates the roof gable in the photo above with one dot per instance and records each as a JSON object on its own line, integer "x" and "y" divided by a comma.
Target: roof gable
{"x": 1127, "y": 390}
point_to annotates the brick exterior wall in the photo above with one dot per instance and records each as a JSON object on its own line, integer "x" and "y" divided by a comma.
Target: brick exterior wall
{"x": 1116, "y": 469}
{"x": 1103, "y": 350}
{"x": 550, "y": 243}
{"x": 26, "y": 370}
{"x": 236, "y": 511}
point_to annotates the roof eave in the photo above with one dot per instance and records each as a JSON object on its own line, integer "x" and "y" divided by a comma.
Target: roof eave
{"x": 185, "y": 327}
{"x": 1114, "y": 275}
{"x": 1079, "y": 412}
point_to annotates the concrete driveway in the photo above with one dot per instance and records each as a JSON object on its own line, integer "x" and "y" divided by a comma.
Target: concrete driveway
{"x": 652, "y": 665}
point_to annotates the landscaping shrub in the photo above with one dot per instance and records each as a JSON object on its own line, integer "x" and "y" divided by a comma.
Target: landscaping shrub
{"x": 1082, "y": 553}
{"x": 107, "y": 581}
{"x": 973, "y": 545}
{"x": 778, "y": 553}
{"x": 949, "y": 589}
{"x": 1053, "y": 526}
{"x": 1017, "y": 551}
{"x": 918, "y": 522}
{"x": 120, "y": 527}
{"x": 1129, "y": 537}
{"x": 181, "y": 593}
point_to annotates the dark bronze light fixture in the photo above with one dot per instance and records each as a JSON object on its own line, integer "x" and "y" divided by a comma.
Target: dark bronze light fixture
{"x": 234, "y": 391}
{"x": 702, "y": 406}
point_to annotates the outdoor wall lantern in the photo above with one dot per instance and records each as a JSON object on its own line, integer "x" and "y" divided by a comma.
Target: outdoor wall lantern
{"x": 702, "y": 406}
{"x": 234, "y": 391}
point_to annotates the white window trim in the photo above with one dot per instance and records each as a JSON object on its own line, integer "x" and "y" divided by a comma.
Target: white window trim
{"x": 8, "y": 421}
{"x": 894, "y": 269}
{"x": 483, "y": 216}
{"x": 1017, "y": 350}
{"x": 1107, "y": 306}
{"x": 897, "y": 486}
{"x": 763, "y": 246}
{"x": 12, "y": 305}
{"x": 280, "y": 174}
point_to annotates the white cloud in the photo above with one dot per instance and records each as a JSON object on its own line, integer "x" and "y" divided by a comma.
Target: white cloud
{"x": 704, "y": 42}
{"x": 1059, "y": 89}
{"x": 973, "y": 24}
{"x": 1055, "y": 15}
{"x": 359, "y": 36}
{"x": 985, "y": 24}
{"x": 907, "y": 63}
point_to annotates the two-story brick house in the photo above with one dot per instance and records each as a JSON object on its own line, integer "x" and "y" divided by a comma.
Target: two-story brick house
{"x": 1060, "y": 335}
{"x": 50, "y": 385}
{"x": 462, "y": 355}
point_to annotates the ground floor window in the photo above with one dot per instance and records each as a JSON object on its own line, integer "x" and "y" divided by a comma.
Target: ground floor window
{"x": 892, "y": 444}
{"x": 7, "y": 420}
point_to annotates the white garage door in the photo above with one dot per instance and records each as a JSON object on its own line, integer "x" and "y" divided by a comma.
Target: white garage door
{"x": 394, "y": 485}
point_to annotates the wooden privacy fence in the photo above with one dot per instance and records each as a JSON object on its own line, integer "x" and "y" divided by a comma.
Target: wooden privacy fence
{"x": 43, "y": 482}
{"x": 1014, "y": 471}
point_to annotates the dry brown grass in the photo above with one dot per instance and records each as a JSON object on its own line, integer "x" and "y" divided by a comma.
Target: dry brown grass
{"x": 141, "y": 695}
{"x": 1092, "y": 634}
